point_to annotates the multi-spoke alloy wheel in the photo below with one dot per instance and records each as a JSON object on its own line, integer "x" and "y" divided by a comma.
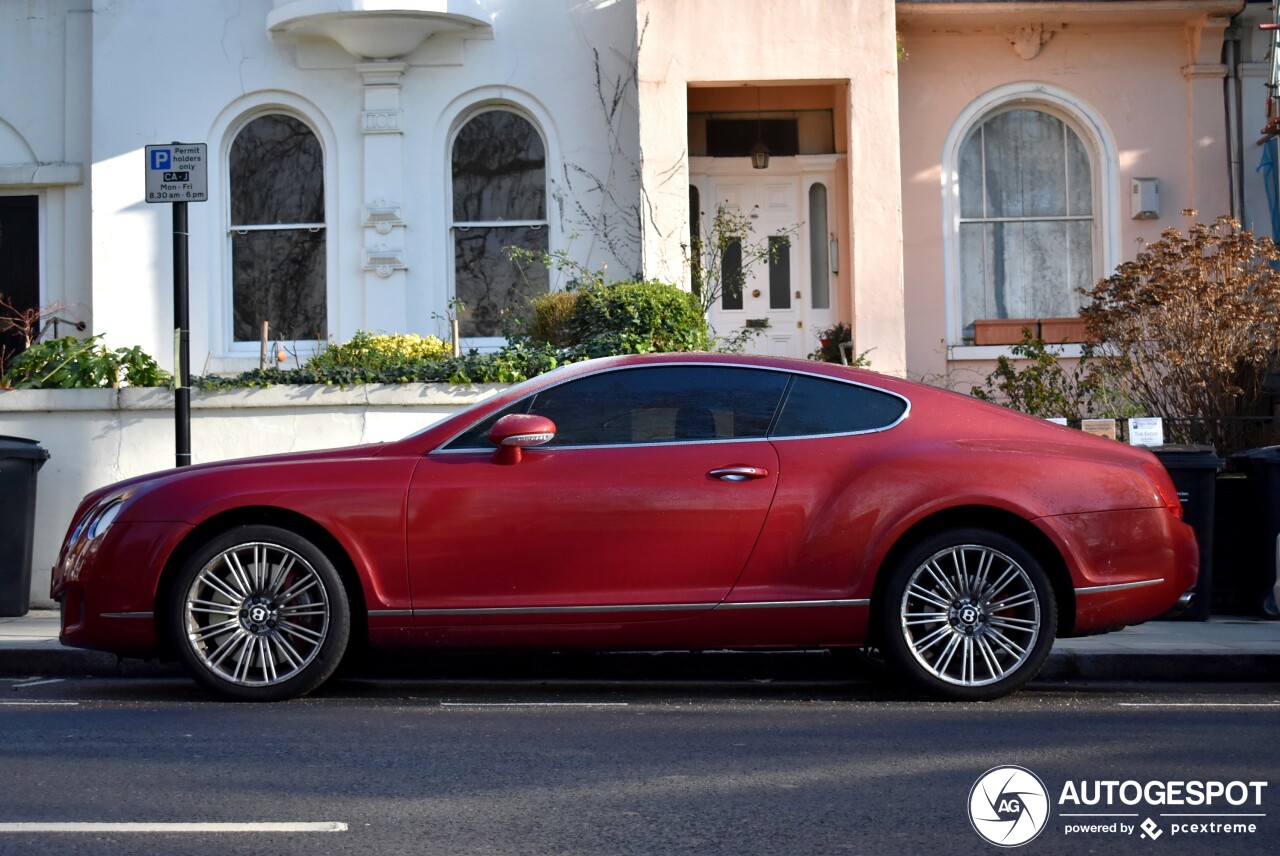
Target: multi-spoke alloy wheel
{"x": 260, "y": 613}
{"x": 969, "y": 614}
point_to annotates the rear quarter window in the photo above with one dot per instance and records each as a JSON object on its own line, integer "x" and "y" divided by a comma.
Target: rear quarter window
{"x": 816, "y": 406}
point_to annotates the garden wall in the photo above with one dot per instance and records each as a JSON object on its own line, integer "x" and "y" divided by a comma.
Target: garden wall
{"x": 98, "y": 436}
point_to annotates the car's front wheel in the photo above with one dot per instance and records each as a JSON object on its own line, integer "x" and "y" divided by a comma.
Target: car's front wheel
{"x": 259, "y": 614}
{"x": 968, "y": 614}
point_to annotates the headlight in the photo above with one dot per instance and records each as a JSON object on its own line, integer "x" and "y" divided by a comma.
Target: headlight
{"x": 101, "y": 520}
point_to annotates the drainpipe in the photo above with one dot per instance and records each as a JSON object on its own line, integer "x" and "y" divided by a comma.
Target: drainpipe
{"x": 1232, "y": 92}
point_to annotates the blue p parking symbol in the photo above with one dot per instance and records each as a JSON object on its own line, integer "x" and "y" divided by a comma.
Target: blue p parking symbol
{"x": 161, "y": 158}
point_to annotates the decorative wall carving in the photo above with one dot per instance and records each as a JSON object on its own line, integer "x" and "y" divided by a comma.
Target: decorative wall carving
{"x": 1027, "y": 39}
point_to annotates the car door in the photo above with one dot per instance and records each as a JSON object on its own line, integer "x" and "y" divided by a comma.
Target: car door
{"x": 649, "y": 500}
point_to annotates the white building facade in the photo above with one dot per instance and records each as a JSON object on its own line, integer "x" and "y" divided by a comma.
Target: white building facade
{"x": 370, "y": 162}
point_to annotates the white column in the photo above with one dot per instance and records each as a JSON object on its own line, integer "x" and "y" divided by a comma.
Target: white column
{"x": 1207, "y": 156}
{"x": 384, "y": 258}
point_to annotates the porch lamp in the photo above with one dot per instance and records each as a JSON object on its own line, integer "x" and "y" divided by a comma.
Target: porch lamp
{"x": 759, "y": 155}
{"x": 759, "y": 152}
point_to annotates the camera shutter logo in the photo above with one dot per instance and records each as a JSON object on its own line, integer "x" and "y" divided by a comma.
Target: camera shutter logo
{"x": 1009, "y": 806}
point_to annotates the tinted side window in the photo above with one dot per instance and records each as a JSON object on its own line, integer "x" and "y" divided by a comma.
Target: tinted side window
{"x": 658, "y": 404}
{"x": 817, "y": 406}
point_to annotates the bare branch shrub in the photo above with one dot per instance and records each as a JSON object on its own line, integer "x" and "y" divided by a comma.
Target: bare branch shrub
{"x": 1193, "y": 323}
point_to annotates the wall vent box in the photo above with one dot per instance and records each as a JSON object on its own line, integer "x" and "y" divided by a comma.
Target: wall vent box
{"x": 1144, "y": 198}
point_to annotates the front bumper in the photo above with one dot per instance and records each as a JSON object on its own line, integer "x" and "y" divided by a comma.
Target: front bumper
{"x": 108, "y": 590}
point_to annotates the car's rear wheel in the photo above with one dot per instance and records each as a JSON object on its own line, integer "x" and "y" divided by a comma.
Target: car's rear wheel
{"x": 968, "y": 614}
{"x": 259, "y": 614}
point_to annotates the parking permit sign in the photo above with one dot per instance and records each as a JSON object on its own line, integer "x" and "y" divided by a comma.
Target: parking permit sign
{"x": 177, "y": 172}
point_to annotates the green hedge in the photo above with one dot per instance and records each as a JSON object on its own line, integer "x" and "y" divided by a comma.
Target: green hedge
{"x": 622, "y": 318}
{"x": 599, "y": 320}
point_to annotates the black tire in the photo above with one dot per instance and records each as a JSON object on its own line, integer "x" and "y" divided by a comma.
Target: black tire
{"x": 967, "y": 615}
{"x": 259, "y": 613}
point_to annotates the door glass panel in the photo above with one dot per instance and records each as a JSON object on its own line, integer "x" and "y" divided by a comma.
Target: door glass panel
{"x": 731, "y": 275}
{"x": 819, "y": 250}
{"x": 695, "y": 239}
{"x": 779, "y": 272}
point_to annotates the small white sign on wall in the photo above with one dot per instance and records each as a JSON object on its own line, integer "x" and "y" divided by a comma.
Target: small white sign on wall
{"x": 1146, "y": 431}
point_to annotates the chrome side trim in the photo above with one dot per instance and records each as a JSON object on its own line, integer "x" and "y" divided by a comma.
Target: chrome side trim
{"x": 790, "y": 604}
{"x": 1118, "y": 586}
{"x": 646, "y": 607}
{"x": 128, "y": 615}
{"x": 388, "y": 613}
{"x": 556, "y": 610}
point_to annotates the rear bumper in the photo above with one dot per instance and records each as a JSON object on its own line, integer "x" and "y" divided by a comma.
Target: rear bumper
{"x": 1126, "y": 567}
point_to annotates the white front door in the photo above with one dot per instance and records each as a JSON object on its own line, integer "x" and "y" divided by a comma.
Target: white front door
{"x": 777, "y": 298}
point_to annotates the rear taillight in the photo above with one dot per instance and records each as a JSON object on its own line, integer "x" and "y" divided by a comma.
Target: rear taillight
{"x": 1165, "y": 491}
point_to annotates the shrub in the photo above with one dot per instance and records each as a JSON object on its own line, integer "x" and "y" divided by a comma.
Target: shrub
{"x": 829, "y": 341}
{"x": 599, "y": 320}
{"x": 71, "y": 363}
{"x": 637, "y": 318}
{"x": 1042, "y": 385}
{"x": 1194, "y": 321}
{"x": 553, "y": 318}
{"x": 518, "y": 361}
{"x": 375, "y": 352}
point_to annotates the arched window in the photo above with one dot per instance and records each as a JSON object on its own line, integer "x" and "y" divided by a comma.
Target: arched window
{"x": 1027, "y": 224}
{"x": 499, "y": 201}
{"x": 276, "y": 169}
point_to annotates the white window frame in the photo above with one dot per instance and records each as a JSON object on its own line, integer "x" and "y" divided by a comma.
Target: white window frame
{"x": 1099, "y": 144}
{"x": 301, "y": 348}
{"x": 491, "y": 343}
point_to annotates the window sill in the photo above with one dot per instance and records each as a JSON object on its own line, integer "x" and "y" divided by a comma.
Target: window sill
{"x": 962, "y": 353}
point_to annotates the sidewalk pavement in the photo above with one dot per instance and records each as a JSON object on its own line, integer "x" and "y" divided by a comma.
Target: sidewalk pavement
{"x": 1221, "y": 649}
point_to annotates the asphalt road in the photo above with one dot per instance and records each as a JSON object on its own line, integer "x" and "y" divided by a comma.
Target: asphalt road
{"x": 654, "y": 766}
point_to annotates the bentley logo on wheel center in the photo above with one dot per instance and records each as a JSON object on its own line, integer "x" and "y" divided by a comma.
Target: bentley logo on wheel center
{"x": 1009, "y": 806}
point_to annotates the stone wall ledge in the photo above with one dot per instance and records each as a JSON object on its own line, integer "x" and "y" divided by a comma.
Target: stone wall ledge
{"x": 417, "y": 395}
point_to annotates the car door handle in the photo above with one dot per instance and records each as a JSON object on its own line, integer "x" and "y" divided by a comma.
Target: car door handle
{"x": 738, "y": 473}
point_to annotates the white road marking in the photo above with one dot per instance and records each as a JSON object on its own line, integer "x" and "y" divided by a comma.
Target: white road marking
{"x": 173, "y": 827}
{"x": 37, "y": 683}
{"x": 534, "y": 704}
{"x": 41, "y": 703}
{"x": 1201, "y": 704}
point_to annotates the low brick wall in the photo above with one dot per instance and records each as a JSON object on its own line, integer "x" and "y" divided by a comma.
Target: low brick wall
{"x": 98, "y": 436}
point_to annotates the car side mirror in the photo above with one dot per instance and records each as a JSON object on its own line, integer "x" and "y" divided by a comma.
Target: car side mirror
{"x": 517, "y": 431}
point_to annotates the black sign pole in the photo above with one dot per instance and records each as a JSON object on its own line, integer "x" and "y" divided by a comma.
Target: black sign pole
{"x": 182, "y": 338}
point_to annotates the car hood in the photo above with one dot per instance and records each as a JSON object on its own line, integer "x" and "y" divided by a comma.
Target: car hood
{"x": 164, "y": 477}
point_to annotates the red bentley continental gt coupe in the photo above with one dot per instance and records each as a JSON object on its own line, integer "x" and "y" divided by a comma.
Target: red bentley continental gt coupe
{"x": 677, "y": 501}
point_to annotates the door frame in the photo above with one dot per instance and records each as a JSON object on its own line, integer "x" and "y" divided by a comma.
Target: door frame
{"x": 807, "y": 170}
